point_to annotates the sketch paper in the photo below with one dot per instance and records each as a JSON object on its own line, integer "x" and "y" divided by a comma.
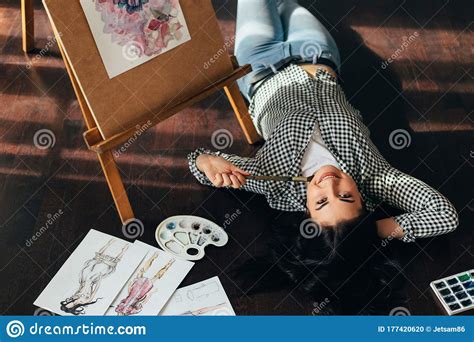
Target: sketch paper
{"x": 129, "y": 33}
{"x": 92, "y": 276}
{"x": 151, "y": 285}
{"x": 206, "y": 298}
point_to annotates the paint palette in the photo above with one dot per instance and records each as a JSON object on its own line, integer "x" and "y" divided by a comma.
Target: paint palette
{"x": 187, "y": 236}
{"x": 456, "y": 293}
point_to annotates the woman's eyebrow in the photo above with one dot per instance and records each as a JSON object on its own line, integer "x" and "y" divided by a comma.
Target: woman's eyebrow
{"x": 322, "y": 205}
{"x": 340, "y": 199}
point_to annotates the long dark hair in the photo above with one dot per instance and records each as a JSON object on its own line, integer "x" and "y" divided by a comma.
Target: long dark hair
{"x": 342, "y": 266}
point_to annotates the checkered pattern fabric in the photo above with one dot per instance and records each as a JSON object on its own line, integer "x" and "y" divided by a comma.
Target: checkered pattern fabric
{"x": 286, "y": 110}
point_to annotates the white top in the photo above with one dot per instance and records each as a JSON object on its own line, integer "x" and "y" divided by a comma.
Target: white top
{"x": 316, "y": 155}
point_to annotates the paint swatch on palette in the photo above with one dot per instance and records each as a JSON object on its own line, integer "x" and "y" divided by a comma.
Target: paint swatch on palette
{"x": 456, "y": 293}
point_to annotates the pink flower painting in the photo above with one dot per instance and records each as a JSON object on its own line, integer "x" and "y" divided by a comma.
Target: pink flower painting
{"x": 131, "y": 32}
{"x": 151, "y": 24}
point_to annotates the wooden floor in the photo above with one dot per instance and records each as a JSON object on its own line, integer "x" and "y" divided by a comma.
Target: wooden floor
{"x": 426, "y": 90}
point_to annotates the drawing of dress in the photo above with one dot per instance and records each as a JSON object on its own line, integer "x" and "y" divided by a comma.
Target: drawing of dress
{"x": 204, "y": 310}
{"x": 139, "y": 290}
{"x": 93, "y": 272}
{"x": 203, "y": 290}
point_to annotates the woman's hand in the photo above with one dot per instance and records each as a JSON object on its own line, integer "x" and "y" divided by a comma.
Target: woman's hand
{"x": 221, "y": 172}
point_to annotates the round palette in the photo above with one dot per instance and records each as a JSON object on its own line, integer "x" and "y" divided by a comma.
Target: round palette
{"x": 187, "y": 236}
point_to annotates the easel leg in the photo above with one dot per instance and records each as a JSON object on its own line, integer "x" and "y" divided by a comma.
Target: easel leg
{"x": 27, "y": 25}
{"x": 107, "y": 161}
{"x": 242, "y": 113}
{"x": 116, "y": 186}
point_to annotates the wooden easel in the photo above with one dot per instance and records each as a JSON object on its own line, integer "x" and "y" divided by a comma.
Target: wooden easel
{"x": 104, "y": 146}
{"x": 27, "y": 25}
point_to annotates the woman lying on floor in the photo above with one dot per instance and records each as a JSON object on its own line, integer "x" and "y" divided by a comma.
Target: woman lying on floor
{"x": 310, "y": 128}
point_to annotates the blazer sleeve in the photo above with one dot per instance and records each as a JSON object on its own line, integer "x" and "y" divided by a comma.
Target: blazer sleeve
{"x": 427, "y": 212}
{"x": 250, "y": 165}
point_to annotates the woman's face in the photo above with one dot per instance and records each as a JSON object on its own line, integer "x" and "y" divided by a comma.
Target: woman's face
{"x": 332, "y": 196}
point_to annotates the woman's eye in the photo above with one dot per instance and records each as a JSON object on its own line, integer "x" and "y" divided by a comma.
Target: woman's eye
{"x": 345, "y": 195}
{"x": 321, "y": 201}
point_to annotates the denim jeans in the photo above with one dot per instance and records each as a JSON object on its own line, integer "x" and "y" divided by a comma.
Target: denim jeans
{"x": 271, "y": 34}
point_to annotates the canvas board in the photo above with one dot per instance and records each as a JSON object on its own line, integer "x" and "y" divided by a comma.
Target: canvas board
{"x": 151, "y": 285}
{"x": 92, "y": 276}
{"x": 129, "y": 33}
{"x": 206, "y": 298}
{"x": 150, "y": 89}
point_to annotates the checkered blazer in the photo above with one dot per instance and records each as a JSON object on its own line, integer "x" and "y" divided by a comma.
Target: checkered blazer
{"x": 286, "y": 110}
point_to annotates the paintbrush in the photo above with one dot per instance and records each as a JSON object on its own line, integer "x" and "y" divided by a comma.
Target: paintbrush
{"x": 282, "y": 178}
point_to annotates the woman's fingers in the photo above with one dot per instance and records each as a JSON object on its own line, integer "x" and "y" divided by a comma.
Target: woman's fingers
{"x": 218, "y": 180}
{"x": 235, "y": 169}
{"x": 235, "y": 182}
{"x": 241, "y": 178}
{"x": 226, "y": 178}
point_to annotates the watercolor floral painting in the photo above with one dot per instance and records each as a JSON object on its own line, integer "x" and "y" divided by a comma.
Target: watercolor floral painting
{"x": 129, "y": 33}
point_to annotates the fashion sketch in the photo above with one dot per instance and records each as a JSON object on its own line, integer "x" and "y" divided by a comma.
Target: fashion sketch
{"x": 205, "y": 298}
{"x": 203, "y": 291}
{"x": 91, "y": 275}
{"x": 141, "y": 288}
{"x": 203, "y": 311}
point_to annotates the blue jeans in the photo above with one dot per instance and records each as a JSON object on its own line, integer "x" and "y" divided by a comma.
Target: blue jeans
{"x": 271, "y": 34}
